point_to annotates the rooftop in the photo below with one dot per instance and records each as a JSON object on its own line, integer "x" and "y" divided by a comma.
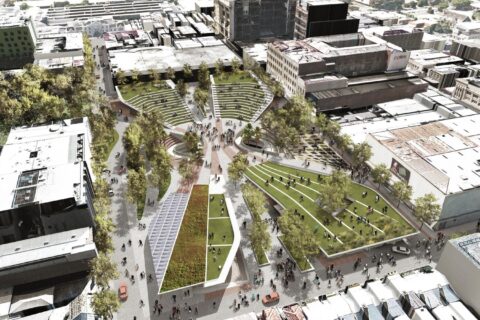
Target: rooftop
{"x": 432, "y": 148}
{"x": 160, "y": 58}
{"x": 44, "y": 163}
{"x": 469, "y": 245}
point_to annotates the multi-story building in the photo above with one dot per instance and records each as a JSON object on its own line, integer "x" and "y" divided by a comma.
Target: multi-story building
{"x": 46, "y": 180}
{"x": 17, "y": 42}
{"x": 467, "y": 90}
{"x": 251, "y": 20}
{"x": 423, "y": 60}
{"x": 466, "y": 31}
{"x": 439, "y": 158}
{"x": 342, "y": 71}
{"x": 460, "y": 263}
{"x": 444, "y": 76}
{"x": 315, "y": 18}
{"x": 468, "y": 50}
{"x": 405, "y": 37}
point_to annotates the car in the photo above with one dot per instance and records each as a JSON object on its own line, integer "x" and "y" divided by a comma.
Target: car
{"x": 122, "y": 291}
{"x": 110, "y": 193}
{"x": 401, "y": 250}
{"x": 271, "y": 298}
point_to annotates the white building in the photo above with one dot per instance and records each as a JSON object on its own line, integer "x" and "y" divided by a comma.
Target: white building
{"x": 468, "y": 91}
{"x": 442, "y": 158}
{"x": 46, "y": 180}
{"x": 460, "y": 262}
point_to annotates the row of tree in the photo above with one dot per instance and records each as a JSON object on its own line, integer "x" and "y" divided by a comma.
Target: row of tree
{"x": 259, "y": 236}
{"x": 144, "y": 141}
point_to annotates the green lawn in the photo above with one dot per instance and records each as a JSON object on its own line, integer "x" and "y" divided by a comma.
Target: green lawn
{"x": 220, "y": 228}
{"x": 261, "y": 257}
{"x": 131, "y": 90}
{"x": 217, "y": 202}
{"x": 164, "y": 187}
{"x": 187, "y": 263}
{"x": 352, "y": 233}
{"x": 216, "y": 259}
{"x": 230, "y": 77}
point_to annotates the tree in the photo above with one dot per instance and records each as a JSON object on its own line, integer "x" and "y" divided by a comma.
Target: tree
{"x": 392, "y": 5}
{"x": 171, "y": 73}
{"x": 255, "y": 200}
{"x": 185, "y": 168}
{"x": 402, "y": 191}
{"x": 278, "y": 90}
{"x": 120, "y": 77}
{"x": 362, "y": 152}
{"x": 219, "y": 67}
{"x": 203, "y": 76}
{"x": 104, "y": 228}
{"x": 200, "y": 97}
{"x": 191, "y": 140}
{"x": 24, "y": 6}
{"x": 237, "y": 167}
{"x": 331, "y": 129}
{"x": 334, "y": 190}
{"x": 381, "y": 174}
{"x": 462, "y": 4}
{"x": 427, "y": 209}
{"x": 299, "y": 112}
{"x": 260, "y": 237}
{"x": 153, "y": 75}
{"x": 132, "y": 142}
{"x": 476, "y": 15}
{"x": 344, "y": 142}
{"x": 430, "y": 10}
{"x": 257, "y": 134}
{"x": 235, "y": 65}
{"x": 103, "y": 269}
{"x": 442, "y": 5}
{"x": 105, "y": 303}
{"x": 187, "y": 71}
{"x": 247, "y": 133}
{"x": 134, "y": 75}
{"x": 181, "y": 87}
{"x": 422, "y": 3}
{"x": 298, "y": 238}
{"x": 136, "y": 185}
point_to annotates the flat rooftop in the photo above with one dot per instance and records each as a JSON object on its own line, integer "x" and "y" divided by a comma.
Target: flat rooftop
{"x": 469, "y": 245}
{"x": 160, "y": 58}
{"x": 431, "y": 57}
{"x": 52, "y": 246}
{"x": 316, "y": 48}
{"x": 446, "y": 153}
{"x": 44, "y": 163}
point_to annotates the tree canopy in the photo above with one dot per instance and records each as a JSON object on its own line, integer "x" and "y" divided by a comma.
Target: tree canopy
{"x": 334, "y": 190}
{"x": 427, "y": 208}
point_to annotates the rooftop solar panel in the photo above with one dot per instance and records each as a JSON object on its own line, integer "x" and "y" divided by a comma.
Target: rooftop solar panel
{"x": 163, "y": 231}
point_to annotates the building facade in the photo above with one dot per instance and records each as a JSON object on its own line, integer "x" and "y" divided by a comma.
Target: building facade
{"x": 315, "y": 18}
{"x": 251, "y": 20}
{"x": 467, "y": 50}
{"x": 17, "y": 43}
{"x": 468, "y": 90}
{"x": 342, "y": 71}
{"x": 46, "y": 182}
{"x": 460, "y": 263}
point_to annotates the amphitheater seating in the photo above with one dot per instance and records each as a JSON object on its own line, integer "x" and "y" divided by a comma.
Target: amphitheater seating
{"x": 239, "y": 100}
{"x": 167, "y": 102}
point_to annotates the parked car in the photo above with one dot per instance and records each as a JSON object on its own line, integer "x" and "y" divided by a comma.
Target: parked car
{"x": 401, "y": 250}
{"x": 271, "y": 298}
{"x": 122, "y": 291}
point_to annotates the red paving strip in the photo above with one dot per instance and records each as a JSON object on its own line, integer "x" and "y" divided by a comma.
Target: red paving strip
{"x": 215, "y": 162}
{"x": 349, "y": 259}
